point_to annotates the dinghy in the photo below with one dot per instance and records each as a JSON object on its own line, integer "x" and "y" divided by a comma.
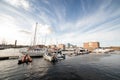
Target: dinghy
{"x": 25, "y": 59}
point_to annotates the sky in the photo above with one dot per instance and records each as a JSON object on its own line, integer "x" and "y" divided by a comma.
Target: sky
{"x": 60, "y": 21}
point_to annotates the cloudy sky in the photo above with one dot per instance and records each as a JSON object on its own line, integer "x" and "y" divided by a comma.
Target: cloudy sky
{"x": 60, "y": 21}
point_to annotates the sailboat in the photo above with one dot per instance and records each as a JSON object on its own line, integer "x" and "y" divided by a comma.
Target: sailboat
{"x": 34, "y": 50}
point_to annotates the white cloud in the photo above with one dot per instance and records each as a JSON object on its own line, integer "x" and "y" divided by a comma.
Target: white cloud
{"x": 25, "y": 32}
{"x": 43, "y": 29}
{"x": 19, "y": 3}
{"x": 97, "y": 30}
{"x": 46, "y": 1}
{"x": 101, "y": 36}
{"x": 90, "y": 27}
{"x": 7, "y": 26}
{"x": 10, "y": 31}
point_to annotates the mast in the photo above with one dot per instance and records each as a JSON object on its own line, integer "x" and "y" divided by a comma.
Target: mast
{"x": 34, "y": 42}
{"x": 45, "y": 39}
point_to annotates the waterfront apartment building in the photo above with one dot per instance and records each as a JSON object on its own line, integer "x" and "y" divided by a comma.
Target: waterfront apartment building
{"x": 91, "y": 45}
{"x": 61, "y": 46}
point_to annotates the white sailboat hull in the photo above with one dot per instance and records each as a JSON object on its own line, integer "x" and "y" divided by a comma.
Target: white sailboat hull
{"x": 34, "y": 53}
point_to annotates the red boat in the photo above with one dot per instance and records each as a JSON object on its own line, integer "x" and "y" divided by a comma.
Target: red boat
{"x": 25, "y": 59}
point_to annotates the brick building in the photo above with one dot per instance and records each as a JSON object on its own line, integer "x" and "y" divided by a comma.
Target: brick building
{"x": 91, "y": 45}
{"x": 61, "y": 46}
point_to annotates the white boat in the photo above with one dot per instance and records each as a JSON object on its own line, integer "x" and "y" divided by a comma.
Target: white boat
{"x": 101, "y": 50}
{"x": 53, "y": 56}
{"x": 48, "y": 56}
{"x": 81, "y": 51}
{"x": 34, "y": 50}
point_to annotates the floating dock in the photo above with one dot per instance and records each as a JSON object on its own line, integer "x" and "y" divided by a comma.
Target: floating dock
{"x": 9, "y": 57}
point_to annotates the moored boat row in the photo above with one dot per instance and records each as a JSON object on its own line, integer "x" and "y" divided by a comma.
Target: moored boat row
{"x": 102, "y": 50}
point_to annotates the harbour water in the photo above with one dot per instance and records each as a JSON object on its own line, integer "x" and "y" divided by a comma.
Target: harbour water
{"x": 81, "y": 67}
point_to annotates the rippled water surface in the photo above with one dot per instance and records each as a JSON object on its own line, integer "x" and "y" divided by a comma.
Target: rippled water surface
{"x": 82, "y": 67}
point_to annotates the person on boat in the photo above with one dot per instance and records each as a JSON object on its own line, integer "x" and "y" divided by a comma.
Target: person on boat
{"x": 54, "y": 57}
{"x": 26, "y": 58}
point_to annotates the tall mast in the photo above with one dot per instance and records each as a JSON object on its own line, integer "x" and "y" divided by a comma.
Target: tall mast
{"x": 34, "y": 42}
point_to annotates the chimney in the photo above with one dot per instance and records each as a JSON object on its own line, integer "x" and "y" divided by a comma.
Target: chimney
{"x": 15, "y": 43}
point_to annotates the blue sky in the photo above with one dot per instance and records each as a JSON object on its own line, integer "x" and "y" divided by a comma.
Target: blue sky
{"x": 60, "y": 21}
